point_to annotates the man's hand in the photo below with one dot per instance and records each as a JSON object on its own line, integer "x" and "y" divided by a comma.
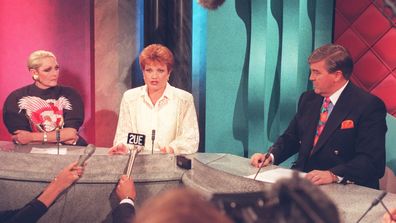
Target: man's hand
{"x": 258, "y": 158}
{"x": 320, "y": 177}
{"x": 119, "y": 149}
{"x": 126, "y": 188}
{"x": 22, "y": 137}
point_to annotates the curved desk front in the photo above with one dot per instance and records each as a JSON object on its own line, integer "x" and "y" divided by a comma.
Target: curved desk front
{"x": 23, "y": 175}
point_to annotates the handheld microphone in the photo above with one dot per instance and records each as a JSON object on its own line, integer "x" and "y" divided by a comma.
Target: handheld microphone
{"x": 374, "y": 203}
{"x": 152, "y": 140}
{"x": 138, "y": 141}
{"x": 89, "y": 150}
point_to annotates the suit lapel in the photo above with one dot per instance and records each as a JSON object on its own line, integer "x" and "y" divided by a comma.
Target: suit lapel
{"x": 312, "y": 119}
{"x": 340, "y": 111}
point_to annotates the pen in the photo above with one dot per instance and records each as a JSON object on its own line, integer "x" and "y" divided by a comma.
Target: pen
{"x": 267, "y": 155}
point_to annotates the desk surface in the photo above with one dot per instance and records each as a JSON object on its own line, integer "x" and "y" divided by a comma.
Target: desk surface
{"x": 211, "y": 173}
{"x": 352, "y": 200}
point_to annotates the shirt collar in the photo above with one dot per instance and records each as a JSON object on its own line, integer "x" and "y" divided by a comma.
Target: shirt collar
{"x": 167, "y": 93}
{"x": 336, "y": 95}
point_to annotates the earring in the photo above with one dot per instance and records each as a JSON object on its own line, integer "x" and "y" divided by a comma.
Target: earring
{"x": 35, "y": 77}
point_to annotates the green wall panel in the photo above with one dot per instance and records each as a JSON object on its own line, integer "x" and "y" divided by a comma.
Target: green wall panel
{"x": 226, "y": 48}
{"x": 391, "y": 142}
{"x": 256, "y": 69}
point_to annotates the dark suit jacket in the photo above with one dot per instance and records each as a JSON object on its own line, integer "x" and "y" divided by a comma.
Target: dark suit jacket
{"x": 28, "y": 214}
{"x": 356, "y": 153}
{"x": 124, "y": 213}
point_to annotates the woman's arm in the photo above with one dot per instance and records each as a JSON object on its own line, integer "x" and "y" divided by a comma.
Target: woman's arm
{"x": 67, "y": 135}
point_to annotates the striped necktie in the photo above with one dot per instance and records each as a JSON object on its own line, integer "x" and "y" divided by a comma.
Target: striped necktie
{"x": 324, "y": 114}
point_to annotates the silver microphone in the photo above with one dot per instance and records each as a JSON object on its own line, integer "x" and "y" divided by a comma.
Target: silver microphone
{"x": 138, "y": 141}
{"x": 132, "y": 157}
{"x": 89, "y": 150}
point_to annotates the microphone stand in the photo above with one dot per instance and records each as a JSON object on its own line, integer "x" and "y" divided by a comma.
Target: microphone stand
{"x": 152, "y": 140}
{"x": 57, "y": 131}
{"x": 374, "y": 203}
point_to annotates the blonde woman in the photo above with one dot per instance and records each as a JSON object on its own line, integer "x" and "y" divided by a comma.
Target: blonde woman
{"x": 44, "y": 112}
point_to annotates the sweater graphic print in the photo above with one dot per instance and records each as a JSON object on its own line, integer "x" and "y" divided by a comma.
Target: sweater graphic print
{"x": 44, "y": 115}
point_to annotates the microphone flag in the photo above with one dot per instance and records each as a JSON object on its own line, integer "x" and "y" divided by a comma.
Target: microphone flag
{"x": 136, "y": 139}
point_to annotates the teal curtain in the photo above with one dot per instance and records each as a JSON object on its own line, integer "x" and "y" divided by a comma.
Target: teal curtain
{"x": 256, "y": 68}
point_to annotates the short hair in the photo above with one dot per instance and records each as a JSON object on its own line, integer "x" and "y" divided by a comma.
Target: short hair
{"x": 299, "y": 199}
{"x": 336, "y": 58}
{"x": 34, "y": 60}
{"x": 156, "y": 53}
{"x": 211, "y": 4}
{"x": 179, "y": 205}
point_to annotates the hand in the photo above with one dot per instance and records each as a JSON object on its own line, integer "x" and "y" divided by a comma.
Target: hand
{"x": 119, "y": 149}
{"x": 125, "y": 188}
{"x": 72, "y": 141}
{"x": 320, "y": 177}
{"x": 387, "y": 219}
{"x": 22, "y": 137}
{"x": 257, "y": 160}
{"x": 68, "y": 176}
{"x": 63, "y": 180}
{"x": 167, "y": 149}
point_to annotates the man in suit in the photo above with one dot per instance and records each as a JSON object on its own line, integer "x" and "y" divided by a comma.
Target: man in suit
{"x": 338, "y": 130}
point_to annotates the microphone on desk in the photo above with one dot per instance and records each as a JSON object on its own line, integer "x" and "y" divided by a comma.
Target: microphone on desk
{"x": 374, "y": 203}
{"x": 89, "y": 150}
{"x": 152, "y": 140}
{"x": 138, "y": 141}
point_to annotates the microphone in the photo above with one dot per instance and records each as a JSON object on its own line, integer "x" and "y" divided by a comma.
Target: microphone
{"x": 152, "y": 140}
{"x": 57, "y": 138}
{"x": 138, "y": 142}
{"x": 89, "y": 150}
{"x": 131, "y": 160}
{"x": 374, "y": 203}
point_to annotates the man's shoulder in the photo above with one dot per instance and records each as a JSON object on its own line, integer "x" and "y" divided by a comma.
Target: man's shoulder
{"x": 362, "y": 95}
{"x": 308, "y": 95}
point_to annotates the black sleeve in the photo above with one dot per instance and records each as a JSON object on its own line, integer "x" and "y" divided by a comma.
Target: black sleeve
{"x": 73, "y": 118}
{"x": 288, "y": 143}
{"x": 31, "y": 213}
{"x": 13, "y": 119}
{"x": 124, "y": 213}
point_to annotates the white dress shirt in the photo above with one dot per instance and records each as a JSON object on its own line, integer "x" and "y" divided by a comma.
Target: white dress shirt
{"x": 173, "y": 118}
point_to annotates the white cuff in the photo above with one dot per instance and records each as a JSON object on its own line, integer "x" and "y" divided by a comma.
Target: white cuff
{"x": 127, "y": 200}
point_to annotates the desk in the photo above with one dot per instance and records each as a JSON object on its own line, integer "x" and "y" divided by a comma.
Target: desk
{"x": 224, "y": 173}
{"x": 24, "y": 175}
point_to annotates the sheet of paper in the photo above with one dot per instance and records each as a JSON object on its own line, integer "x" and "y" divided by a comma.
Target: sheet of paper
{"x": 271, "y": 176}
{"x": 62, "y": 151}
